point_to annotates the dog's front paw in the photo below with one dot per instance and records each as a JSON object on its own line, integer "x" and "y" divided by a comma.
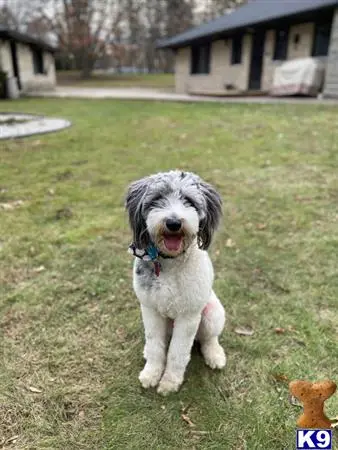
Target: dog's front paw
{"x": 214, "y": 356}
{"x": 168, "y": 384}
{"x": 150, "y": 376}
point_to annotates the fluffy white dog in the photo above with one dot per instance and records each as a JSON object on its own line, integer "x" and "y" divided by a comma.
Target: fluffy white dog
{"x": 173, "y": 216}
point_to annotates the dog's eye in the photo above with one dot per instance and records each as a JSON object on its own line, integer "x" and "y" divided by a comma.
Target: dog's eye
{"x": 155, "y": 201}
{"x": 189, "y": 202}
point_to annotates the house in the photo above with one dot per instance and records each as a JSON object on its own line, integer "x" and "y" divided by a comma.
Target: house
{"x": 28, "y": 59}
{"x": 238, "y": 52}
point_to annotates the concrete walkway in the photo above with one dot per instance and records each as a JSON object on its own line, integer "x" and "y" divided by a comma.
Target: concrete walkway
{"x": 158, "y": 95}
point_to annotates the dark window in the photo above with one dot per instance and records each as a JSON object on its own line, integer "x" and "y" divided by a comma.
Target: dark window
{"x": 321, "y": 40}
{"x": 236, "y": 50}
{"x": 37, "y": 56}
{"x": 281, "y": 44}
{"x": 200, "y": 59}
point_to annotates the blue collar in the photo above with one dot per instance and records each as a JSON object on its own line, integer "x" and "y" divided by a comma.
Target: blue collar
{"x": 151, "y": 253}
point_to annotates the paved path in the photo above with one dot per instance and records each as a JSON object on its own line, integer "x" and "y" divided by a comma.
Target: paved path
{"x": 153, "y": 94}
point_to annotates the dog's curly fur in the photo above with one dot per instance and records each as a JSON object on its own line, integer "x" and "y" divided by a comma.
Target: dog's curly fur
{"x": 179, "y": 305}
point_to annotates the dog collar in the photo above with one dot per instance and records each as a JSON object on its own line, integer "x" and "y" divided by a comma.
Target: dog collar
{"x": 151, "y": 253}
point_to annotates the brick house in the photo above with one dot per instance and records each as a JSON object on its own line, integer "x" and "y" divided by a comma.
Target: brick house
{"x": 238, "y": 52}
{"x": 28, "y": 59}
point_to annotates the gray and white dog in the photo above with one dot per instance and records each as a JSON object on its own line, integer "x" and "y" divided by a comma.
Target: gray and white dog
{"x": 173, "y": 217}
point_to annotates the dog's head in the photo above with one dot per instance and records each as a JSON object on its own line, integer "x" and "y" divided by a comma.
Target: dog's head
{"x": 172, "y": 209}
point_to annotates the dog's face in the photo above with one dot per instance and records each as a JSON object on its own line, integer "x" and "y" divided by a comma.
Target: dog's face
{"x": 171, "y": 209}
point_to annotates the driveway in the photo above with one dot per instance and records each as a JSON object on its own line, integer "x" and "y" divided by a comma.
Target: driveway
{"x": 153, "y": 94}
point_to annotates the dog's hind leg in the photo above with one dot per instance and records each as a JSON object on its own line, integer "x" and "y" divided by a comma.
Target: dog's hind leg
{"x": 211, "y": 326}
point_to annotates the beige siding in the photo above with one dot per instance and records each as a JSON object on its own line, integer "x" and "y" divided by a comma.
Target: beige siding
{"x": 331, "y": 80}
{"x": 31, "y": 81}
{"x": 182, "y": 69}
{"x": 302, "y": 49}
{"x": 269, "y": 64}
{"x": 6, "y": 58}
{"x": 222, "y": 72}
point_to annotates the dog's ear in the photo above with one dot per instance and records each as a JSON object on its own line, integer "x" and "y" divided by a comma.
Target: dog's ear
{"x": 213, "y": 212}
{"x": 134, "y": 202}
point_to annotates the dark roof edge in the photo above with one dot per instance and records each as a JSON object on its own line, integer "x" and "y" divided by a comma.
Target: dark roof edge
{"x": 174, "y": 42}
{"x": 6, "y": 34}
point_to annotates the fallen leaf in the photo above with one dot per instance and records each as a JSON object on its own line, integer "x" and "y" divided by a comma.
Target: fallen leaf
{"x": 39, "y": 269}
{"x": 34, "y": 389}
{"x": 11, "y": 205}
{"x": 121, "y": 333}
{"x": 187, "y": 420}
{"x": 12, "y": 439}
{"x": 184, "y": 409}
{"x": 63, "y": 213}
{"x": 294, "y": 401}
{"x": 280, "y": 330}
{"x": 280, "y": 377}
{"x": 230, "y": 243}
{"x": 244, "y": 331}
{"x": 261, "y": 226}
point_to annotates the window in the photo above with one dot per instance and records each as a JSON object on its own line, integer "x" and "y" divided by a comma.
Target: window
{"x": 236, "y": 50}
{"x": 37, "y": 57}
{"x": 321, "y": 40}
{"x": 281, "y": 44}
{"x": 200, "y": 59}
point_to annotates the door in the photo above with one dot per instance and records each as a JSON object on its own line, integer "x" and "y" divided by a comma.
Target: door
{"x": 15, "y": 63}
{"x": 256, "y": 64}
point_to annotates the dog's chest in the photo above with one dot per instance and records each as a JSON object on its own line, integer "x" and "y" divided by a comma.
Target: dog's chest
{"x": 179, "y": 289}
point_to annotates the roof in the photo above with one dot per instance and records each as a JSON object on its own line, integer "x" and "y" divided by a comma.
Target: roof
{"x": 253, "y": 13}
{"x": 6, "y": 33}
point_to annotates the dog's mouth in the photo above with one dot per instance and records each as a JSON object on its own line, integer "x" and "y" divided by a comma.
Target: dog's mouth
{"x": 173, "y": 241}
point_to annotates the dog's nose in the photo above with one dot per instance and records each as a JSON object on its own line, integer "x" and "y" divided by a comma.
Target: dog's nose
{"x": 173, "y": 224}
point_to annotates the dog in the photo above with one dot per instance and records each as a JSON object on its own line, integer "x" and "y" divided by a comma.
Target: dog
{"x": 173, "y": 217}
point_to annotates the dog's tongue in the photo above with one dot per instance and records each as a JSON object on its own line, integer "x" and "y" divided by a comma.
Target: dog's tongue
{"x": 173, "y": 242}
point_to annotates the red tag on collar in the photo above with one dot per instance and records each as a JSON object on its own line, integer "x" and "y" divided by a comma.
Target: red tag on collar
{"x": 157, "y": 268}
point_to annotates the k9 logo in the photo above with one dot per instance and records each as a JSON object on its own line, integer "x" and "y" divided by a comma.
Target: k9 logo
{"x": 314, "y": 439}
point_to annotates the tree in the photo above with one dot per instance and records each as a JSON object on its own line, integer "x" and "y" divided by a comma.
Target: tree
{"x": 84, "y": 28}
{"x": 216, "y": 8}
{"x": 179, "y": 17}
{"x": 16, "y": 14}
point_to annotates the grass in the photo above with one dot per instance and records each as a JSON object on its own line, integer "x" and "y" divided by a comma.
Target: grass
{"x": 71, "y": 344}
{"x": 163, "y": 81}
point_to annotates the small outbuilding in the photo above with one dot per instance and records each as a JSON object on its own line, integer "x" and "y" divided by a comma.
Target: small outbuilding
{"x": 27, "y": 59}
{"x": 239, "y": 52}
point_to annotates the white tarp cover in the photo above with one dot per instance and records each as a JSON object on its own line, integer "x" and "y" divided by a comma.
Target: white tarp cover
{"x": 300, "y": 76}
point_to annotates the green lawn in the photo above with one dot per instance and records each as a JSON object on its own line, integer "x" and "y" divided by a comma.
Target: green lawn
{"x": 71, "y": 334}
{"x": 161, "y": 81}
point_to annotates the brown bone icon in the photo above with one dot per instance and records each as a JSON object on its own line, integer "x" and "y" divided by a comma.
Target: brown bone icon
{"x": 313, "y": 396}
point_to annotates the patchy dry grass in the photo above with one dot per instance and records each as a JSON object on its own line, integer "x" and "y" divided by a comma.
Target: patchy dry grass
{"x": 71, "y": 335}
{"x": 158, "y": 81}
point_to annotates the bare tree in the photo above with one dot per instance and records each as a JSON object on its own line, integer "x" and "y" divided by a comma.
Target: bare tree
{"x": 84, "y": 28}
{"x": 179, "y": 17}
{"x": 216, "y": 8}
{"x": 15, "y": 14}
